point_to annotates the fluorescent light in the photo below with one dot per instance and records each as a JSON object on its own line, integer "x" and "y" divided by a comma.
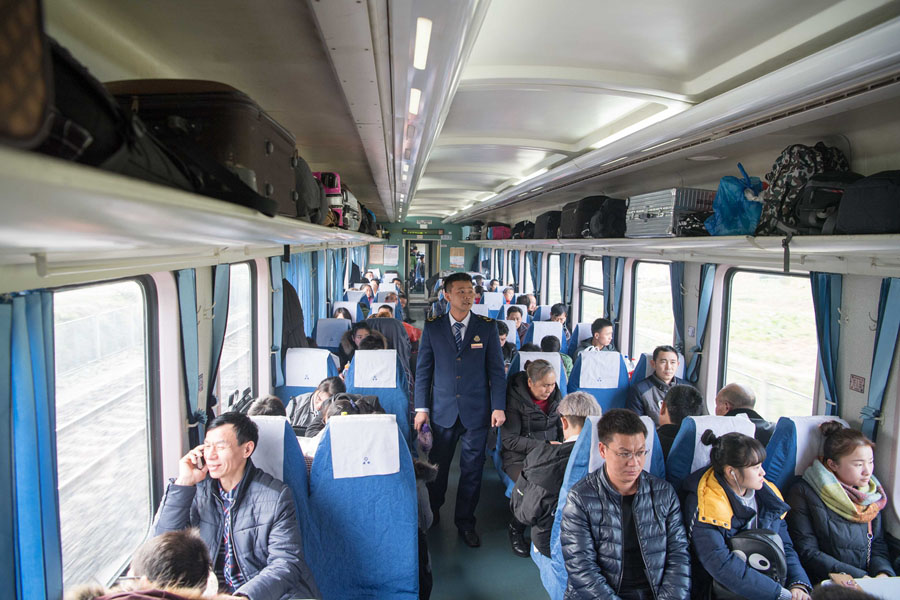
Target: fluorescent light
{"x": 486, "y": 198}
{"x": 660, "y": 145}
{"x": 415, "y": 97}
{"x": 403, "y": 177}
{"x": 537, "y": 173}
{"x": 405, "y": 167}
{"x": 423, "y": 38}
{"x": 612, "y": 162}
{"x": 705, "y": 157}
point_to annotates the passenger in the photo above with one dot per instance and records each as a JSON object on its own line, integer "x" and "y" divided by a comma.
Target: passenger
{"x": 270, "y": 406}
{"x": 479, "y": 294}
{"x": 840, "y": 592}
{"x": 305, "y": 409}
{"x": 601, "y": 337}
{"x": 366, "y": 405}
{"x": 375, "y": 284}
{"x": 369, "y": 276}
{"x": 508, "y": 348}
{"x": 350, "y": 341}
{"x": 514, "y": 314}
{"x": 342, "y": 313}
{"x": 530, "y": 303}
{"x": 384, "y": 312}
{"x": 532, "y": 420}
{"x": 835, "y": 519}
{"x": 530, "y": 348}
{"x": 559, "y": 313}
{"x": 622, "y": 533}
{"x": 508, "y": 294}
{"x": 550, "y": 343}
{"x": 366, "y": 301}
{"x": 246, "y": 517}
{"x": 535, "y": 496}
{"x": 493, "y": 285}
{"x": 726, "y": 498}
{"x": 374, "y": 341}
{"x": 738, "y": 399}
{"x": 681, "y": 401}
{"x": 404, "y": 303}
{"x": 646, "y": 396}
{"x": 461, "y": 382}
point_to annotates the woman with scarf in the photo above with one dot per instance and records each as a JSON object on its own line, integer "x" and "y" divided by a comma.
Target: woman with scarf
{"x": 835, "y": 517}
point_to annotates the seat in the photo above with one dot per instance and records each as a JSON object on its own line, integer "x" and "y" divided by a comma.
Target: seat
{"x": 390, "y": 276}
{"x": 362, "y": 540}
{"x": 604, "y": 375}
{"x": 505, "y": 307}
{"x": 481, "y": 309}
{"x": 582, "y": 332}
{"x": 688, "y": 453}
{"x": 353, "y": 308}
{"x": 518, "y": 364}
{"x": 354, "y": 295}
{"x": 278, "y": 454}
{"x": 541, "y": 329}
{"x": 643, "y": 369}
{"x": 380, "y": 373}
{"x": 585, "y": 459}
{"x": 304, "y": 369}
{"x": 328, "y": 333}
{"x": 795, "y": 444}
{"x": 497, "y": 459}
{"x": 513, "y": 334}
{"x": 542, "y": 313}
{"x": 377, "y": 305}
{"x": 383, "y": 293}
{"x": 493, "y": 300}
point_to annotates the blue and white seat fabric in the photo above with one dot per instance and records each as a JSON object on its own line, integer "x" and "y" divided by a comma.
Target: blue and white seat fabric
{"x": 383, "y": 293}
{"x": 582, "y": 332}
{"x": 541, "y": 329}
{"x": 542, "y": 313}
{"x": 278, "y": 454}
{"x": 354, "y": 295}
{"x": 353, "y": 308}
{"x": 604, "y": 375}
{"x": 377, "y": 305}
{"x": 688, "y": 453}
{"x": 379, "y": 373}
{"x": 494, "y": 301}
{"x": 555, "y": 360}
{"x": 585, "y": 459}
{"x": 643, "y": 369}
{"x": 481, "y": 309}
{"x": 513, "y": 334}
{"x": 328, "y": 333}
{"x": 794, "y": 445}
{"x": 363, "y": 500}
{"x": 304, "y": 369}
{"x": 506, "y": 307}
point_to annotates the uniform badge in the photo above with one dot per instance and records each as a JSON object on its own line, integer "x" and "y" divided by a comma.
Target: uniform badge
{"x": 476, "y": 339}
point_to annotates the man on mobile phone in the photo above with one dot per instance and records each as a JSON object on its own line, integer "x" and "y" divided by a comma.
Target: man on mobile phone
{"x": 246, "y": 517}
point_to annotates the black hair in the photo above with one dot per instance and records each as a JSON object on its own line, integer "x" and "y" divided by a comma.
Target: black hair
{"x": 270, "y": 406}
{"x": 559, "y": 309}
{"x": 451, "y": 279}
{"x": 343, "y": 311}
{"x": 660, "y": 349}
{"x": 373, "y": 341}
{"x": 683, "y": 401}
{"x": 839, "y": 592}
{"x": 331, "y": 386}
{"x": 732, "y": 450}
{"x": 340, "y": 406}
{"x": 175, "y": 559}
{"x": 357, "y": 327}
{"x": 841, "y": 441}
{"x": 502, "y": 328}
{"x": 530, "y": 348}
{"x": 550, "y": 343}
{"x": 619, "y": 421}
{"x": 514, "y": 309}
{"x": 479, "y": 289}
{"x": 244, "y": 427}
{"x": 385, "y": 307}
{"x": 599, "y": 324}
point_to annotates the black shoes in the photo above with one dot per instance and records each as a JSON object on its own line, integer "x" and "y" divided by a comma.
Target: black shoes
{"x": 470, "y": 537}
{"x": 517, "y": 541}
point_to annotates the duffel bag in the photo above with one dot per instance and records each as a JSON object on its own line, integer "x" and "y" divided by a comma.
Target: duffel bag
{"x": 871, "y": 205}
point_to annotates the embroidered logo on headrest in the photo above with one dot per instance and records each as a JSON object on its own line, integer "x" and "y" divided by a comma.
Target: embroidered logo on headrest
{"x": 366, "y": 460}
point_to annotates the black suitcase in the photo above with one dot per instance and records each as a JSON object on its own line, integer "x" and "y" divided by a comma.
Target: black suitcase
{"x": 609, "y": 220}
{"x": 575, "y": 221}
{"x": 871, "y": 205}
{"x": 210, "y": 122}
{"x": 523, "y": 230}
{"x": 312, "y": 204}
{"x": 546, "y": 226}
{"x": 816, "y": 210}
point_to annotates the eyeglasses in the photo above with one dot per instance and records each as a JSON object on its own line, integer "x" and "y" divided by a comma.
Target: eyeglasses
{"x": 219, "y": 446}
{"x": 627, "y": 456}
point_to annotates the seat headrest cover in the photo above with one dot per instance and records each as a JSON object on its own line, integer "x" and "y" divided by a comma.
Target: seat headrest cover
{"x": 600, "y": 370}
{"x": 375, "y": 369}
{"x": 481, "y": 309}
{"x": 364, "y": 445}
{"x": 354, "y": 295}
{"x": 269, "y": 452}
{"x": 551, "y": 357}
{"x": 582, "y": 332}
{"x": 330, "y": 331}
{"x": 513, "y": 332}
{"x": 505, "y": 308}
{"x": 351, "y": 307}
{"x": 493, "y": 300}
{"x": 597, "y": 461}
{"x": 794, "y": 444}
{"x": 305, "y": 367}
{"x": 542, "y": 329}
{"x": 720, "y": 426}
{"x": 377, "y": 305}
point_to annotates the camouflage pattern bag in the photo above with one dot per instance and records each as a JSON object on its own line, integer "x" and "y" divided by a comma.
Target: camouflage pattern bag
{"x": 792, "y": 169}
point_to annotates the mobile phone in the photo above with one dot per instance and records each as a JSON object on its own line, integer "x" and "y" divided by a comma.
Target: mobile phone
{"x": 201, "y": 462}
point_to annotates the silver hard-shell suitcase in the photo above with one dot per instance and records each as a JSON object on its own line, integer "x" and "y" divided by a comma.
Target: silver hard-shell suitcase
{"x": 656, "y": 214}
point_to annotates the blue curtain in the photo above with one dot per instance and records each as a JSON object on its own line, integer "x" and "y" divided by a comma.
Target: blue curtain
{"x": 276, "y": 274}
{"x": 305, "y": 281}
{"x": 707, "y": 279}
{"x": 514, "y": 263}
{"x": 321, "y": 288}
{"x": 221, "y": 293}
{"x": 29, "y": 519}
{"x": 498, "y": 258}
{"x": 338, "y": 291}
{"x": 676, "y": 281}
{"x": 826, "y": 293}
{"x": 886, "y": 331}
{"x": 535, "y": 269}
{"x": 360, "y": 256}
{"x": 613, "y": 283}
{"x": 484, "y": 261}
{"x": 567, "y": 279}
{"x": 187, "y": 308}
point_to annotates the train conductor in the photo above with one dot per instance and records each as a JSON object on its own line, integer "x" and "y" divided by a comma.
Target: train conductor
{"x": 461, "y": 390}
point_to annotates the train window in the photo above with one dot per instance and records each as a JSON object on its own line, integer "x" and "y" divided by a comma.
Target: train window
{"x": 770, "y": 341}
{"x": 591, "y": 289}
{"x": 554, "y": 293}
{"x": 103, "y": 440}
{"x": 236, "y": 364}
{"x": 652, "y": 322}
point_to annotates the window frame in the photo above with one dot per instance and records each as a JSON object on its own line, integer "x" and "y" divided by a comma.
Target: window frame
{"x": 631, "y": 309}
{"x": 254, "y": 336}
{"x": 588, "y": 288}
{"x": 546, "y": 291}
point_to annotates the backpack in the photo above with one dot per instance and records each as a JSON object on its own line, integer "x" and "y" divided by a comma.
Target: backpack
{"x": 792, "y": 170}
{"x": 609, "y": 220}
{"x": 242, "y": 405}
{"x": 293, "y": 335}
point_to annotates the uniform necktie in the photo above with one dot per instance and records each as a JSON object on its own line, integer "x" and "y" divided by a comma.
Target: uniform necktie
{"x": 457, "y": 333}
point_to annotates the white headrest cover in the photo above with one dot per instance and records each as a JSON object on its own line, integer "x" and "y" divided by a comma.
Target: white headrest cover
{"x": 305, "y": 367}
{"x": 551, "y": 357}
{"x": 375, "y": 368}
{"x": 481, "y": 309}
{"x": 583, "y": 331}
{"x": 720, "y": 426}
{"x": 544, "y": 329}
{"x": 600, "y": 370}
{"x": 513, "y": 335}
{"x": 355, "y": 295}
{"x": 351, "y": 307}
{"x": 363, "y": 445}
{"x": 493, "y": 300}
{"x": 330, "y": 331}
{"x": 810, "y": 440}
{"x": 269, "y": 452}
{"x": 522, "y": 307}
{"x": 596, "y": 461}
{"x": 377, "y": 305}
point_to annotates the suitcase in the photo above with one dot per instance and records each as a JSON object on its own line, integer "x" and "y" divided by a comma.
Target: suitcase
{"x": 475, "y": 231}
{"x": 312, "y": 202}
{"x": 214, "y": 125}
{"x": 816, "y": 210}
{"x": 499, "y": 232}
{"x": 609, "y": 220}
{"x": 351, "y": 210}
{"x": 546, "y": 226}
{"x": 871, "y": 205}
{"x": 574, "y": 222}
{"x": 331, "y": 182}
{"x": 656, "y": 214}
{"x": 334, "y": 198}
{"x": 523, "y": 230}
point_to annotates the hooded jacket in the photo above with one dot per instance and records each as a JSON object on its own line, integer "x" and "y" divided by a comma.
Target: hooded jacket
{"x": 713, "y": 515}
{"x": 592, "y": 541}
{"x": 526, "y": 426}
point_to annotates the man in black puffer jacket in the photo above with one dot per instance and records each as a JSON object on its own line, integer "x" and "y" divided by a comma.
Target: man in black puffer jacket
{"x": 622, "y": 532}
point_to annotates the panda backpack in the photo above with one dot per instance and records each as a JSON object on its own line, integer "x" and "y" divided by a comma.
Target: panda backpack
{"x": 763, "y": 550}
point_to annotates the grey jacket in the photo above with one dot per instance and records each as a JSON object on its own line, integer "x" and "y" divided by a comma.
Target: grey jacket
{"x": 646, "y": 396}
{"x": 267, "y": 543}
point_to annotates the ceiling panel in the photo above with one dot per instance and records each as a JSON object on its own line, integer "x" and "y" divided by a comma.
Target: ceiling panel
{"x": 507, "y": 159}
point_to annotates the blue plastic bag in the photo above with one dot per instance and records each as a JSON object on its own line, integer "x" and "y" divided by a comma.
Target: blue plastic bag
{"x": 734, "y": 213}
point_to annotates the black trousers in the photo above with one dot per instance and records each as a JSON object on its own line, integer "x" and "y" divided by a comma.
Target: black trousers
{"x": 471, "y": 465}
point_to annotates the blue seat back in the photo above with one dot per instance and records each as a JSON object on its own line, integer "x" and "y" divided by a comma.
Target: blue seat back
{"x": 688, "y": 453}
{"x": 380, "y": 373}
{"x": 513, "y": 334}
{"x": 278, "y": 454}
{"x": 481, "y": 309}
{"x": 604, "y": 375}
{"x": 328, "y": 333}
{"x": 353, "y": 308}
{"x": 362, "y": 541}
{"x": 794, "y": 445}
{"x": 354, "y": 295}
{"x": 542, "y": 313}
{"x": 497, "y": 459}
{"x": 518, "y": 364}
{"x": 643, "y": 369}
{"x": 582, "y": 332}
{"x": 541, "y": 329}
{"x": 304, "y": 369}
{"x": 493, "y": 300}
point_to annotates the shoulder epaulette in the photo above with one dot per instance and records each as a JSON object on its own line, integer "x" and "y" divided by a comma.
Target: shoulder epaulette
{"x": 484, "y": 318}
{"x": 430, "y": 319}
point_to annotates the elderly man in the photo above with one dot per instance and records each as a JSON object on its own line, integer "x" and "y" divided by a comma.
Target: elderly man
{"x": 738, "y": 399}
{"x": 246, "y": 517}
{"x": 622, "y": 533}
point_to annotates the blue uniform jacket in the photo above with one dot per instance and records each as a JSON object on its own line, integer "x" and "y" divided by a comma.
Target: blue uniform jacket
{"x": 468, "y": 384}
